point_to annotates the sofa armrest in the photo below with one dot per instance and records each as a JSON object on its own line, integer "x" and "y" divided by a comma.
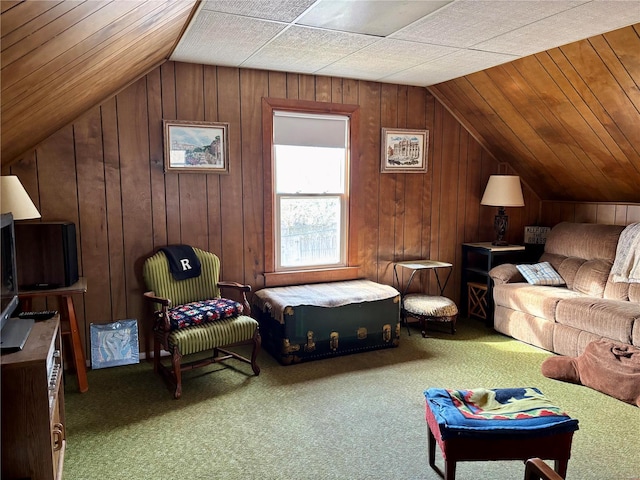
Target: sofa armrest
{"x": 505, "y": 273}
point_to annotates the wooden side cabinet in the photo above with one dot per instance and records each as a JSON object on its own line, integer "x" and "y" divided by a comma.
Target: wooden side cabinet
{"x": 33, "y": 436}
{"x": 477, "y": 260}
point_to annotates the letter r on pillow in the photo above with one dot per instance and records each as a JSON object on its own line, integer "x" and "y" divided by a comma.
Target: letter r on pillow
{"x": 185, "y": 264}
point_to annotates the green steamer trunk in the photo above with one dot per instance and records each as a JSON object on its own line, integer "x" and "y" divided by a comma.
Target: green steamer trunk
{"x": 313, "y": 332}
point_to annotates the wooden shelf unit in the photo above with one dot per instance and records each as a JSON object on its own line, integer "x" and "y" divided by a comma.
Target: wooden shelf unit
{"x": 33, "y": 434}
{"x": 477, "y": 260}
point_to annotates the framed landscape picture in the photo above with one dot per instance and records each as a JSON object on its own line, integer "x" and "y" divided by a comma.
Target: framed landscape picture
{"x": 197, "y": 147}
{"x": 404, "y": 151}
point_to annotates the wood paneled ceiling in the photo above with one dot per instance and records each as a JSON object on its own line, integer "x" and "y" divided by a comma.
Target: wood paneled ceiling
{"x": 567, "y": 119}
{"x": 61, "y": 58}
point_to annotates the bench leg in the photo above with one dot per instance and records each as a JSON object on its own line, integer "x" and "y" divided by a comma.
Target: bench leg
{"x": 449, "y": 465}
{"x": 560, "y": 466}
{"x": 450, "y": 470}
{"x": 432, "y": 449}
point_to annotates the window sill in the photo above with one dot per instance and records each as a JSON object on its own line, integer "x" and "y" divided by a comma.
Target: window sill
{"x": 297, "y": 277}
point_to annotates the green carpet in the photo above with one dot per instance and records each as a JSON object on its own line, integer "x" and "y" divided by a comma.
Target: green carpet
{"x": 357, "y": 417}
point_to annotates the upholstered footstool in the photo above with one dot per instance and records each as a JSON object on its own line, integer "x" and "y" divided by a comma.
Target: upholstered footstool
{"x": 431, "y": 308}
{"x": 498, "y": 424}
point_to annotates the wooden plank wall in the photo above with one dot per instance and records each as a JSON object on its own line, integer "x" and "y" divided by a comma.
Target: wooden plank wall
{"x": 105, "y": 173}
{"x": 590, "y": 212}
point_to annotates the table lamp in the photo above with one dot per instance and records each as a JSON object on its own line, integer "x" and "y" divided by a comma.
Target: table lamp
{"x": 16, "y": 200}
{"x": 502, "y": 191}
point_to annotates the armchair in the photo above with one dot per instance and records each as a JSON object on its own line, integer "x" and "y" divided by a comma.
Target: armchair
{"x": 536, "y": 469}
{"x": 191, "y": 316}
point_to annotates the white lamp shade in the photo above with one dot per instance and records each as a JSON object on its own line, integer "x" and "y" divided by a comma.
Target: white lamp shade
{"x": 503, "y": 191}
{"x": 16, "y": 200}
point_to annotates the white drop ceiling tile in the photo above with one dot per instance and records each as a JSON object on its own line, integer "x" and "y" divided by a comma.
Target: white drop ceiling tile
{"x": 306, "y": 50}
{"x": 259, "y": 34}
{"x": 584, "y": 21}
{"x": 278, "y": 10}
{"x": 377, "y": 17}
{"x": 470, "y": 60}
{"x": 419, "y": 76}
{"x": 383, "y": 58}
{"x": 462, "y": 62}
{"x": 221, "y": 39}
{"x": 467, "y": 22}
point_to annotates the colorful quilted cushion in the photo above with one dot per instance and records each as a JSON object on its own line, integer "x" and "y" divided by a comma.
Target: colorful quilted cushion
{"x": 540, "y": 274}
{"x": 197, "y": 313}
{"x": 501, "y": 411}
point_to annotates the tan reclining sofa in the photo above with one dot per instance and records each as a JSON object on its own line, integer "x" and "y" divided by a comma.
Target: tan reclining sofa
{"x": 564, "y": 319}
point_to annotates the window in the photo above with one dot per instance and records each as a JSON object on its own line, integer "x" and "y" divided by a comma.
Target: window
{"x": 310, "y": 163}
{"x": 308, "y": 225}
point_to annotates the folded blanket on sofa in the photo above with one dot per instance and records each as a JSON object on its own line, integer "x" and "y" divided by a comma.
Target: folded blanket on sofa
{"x": 626, "y": 266}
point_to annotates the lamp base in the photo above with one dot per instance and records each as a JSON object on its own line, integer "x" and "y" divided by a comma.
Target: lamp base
{"x": 500, "y": 226}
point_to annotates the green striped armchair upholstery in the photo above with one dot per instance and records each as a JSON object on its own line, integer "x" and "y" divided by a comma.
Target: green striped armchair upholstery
{"x": 158, "y": 278}
{"x": 165, "y": 293}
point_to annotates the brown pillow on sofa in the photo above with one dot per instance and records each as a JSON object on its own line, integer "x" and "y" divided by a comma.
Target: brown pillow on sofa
{"x": 609, "y": 367}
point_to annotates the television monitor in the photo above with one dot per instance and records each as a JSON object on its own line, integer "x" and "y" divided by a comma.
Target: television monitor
{"x": 13, "y": 331}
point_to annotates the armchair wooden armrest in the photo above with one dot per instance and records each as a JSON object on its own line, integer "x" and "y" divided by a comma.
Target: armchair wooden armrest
{"x": 536, "y": 469}
{"x": 161, "y": 316}
{"x": 239, "y": 290}
{"x": 165, "y": 302}
{"x": 236, "y": 285}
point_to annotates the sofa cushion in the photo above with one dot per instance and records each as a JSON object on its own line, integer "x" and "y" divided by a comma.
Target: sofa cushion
{"x": 584, "y": 240}
{"x": 571, "y": 341}
{"x": 612, "y": 319}
{"x": 635, "y": 334}
{"x": 553, "y": 259}
{"x": 591, "y": 277}
{"x": 616, "y": 290}
{"x": 537, "y": 300}
{"x": 540, "y": 274}
{"x": 568, "y": 269}
{"x": 524, "y": 327}
{"x": 634, "y": 292}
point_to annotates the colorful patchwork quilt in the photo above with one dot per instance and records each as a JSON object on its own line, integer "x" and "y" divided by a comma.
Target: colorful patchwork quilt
{"x": 504, "y": 411}
{"x": 197, "y": 313}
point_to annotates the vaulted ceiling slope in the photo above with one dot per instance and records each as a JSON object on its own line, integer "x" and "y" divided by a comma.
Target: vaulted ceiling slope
{"x": 567, "y": 120}
{"x": 60, "y": 58}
